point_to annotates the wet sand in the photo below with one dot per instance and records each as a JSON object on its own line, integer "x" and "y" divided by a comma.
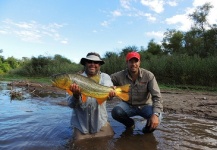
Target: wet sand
{"x": 200, "y": 104}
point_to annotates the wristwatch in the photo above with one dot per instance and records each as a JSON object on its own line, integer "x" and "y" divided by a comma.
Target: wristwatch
{"x": 157, "y": 114}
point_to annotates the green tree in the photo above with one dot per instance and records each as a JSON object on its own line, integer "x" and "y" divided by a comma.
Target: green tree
{"x": 14, "y": 63}
{"x": 193, "y": 42}
{"x": 128, "y": 49}
{"x": 173, "y": 42}
{"x": 211, "y": 41}
{"x": 62, "y": 59}
{"x": 5, "y": 67}
{"x": 154, "y": 48}
{"x": 199, "y": 17}
{"x": 110, "y": 55}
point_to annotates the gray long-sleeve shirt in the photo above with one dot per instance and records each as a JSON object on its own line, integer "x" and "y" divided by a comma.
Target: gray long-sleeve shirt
{"x": 89, "y": 117}
{"x": 144, "y": 90}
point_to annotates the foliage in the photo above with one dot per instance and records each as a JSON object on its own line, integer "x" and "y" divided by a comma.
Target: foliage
{"x": 173, "y": 42}
{"x": 154, "y": 48}
{"x": 186, "y": 58}
{"x": 46, "y": 66}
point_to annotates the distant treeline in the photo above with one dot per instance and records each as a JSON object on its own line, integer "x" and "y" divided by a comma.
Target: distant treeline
{"x": 187, "y": 58}
{"x": 173, "y": 70}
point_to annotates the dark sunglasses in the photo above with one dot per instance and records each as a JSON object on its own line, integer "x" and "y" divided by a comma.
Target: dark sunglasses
{"x": 90, "y": 62}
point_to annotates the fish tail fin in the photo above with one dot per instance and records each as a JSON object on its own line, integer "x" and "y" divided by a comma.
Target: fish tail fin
{"x": 122, "y": 92}
{"x": 123, "y": 96}
{"x": 123, "y": 88}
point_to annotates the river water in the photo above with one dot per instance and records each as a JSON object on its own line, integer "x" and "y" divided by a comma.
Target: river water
{"x": 42, "y": 123}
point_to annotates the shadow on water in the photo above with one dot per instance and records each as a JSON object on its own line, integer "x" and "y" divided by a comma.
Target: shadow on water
{"x": 43, "y": 122}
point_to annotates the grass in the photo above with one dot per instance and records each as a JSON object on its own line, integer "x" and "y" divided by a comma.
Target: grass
{"x": 188, "y": 87}
{"x": 45, "y": 80}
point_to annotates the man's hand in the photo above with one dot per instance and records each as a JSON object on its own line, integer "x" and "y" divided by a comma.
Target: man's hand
{"x": 75, "y": 90}
{"x": 153, "y": 122}
{"x": 112, "y": 92}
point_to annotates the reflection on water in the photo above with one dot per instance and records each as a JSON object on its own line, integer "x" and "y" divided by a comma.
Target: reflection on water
{"x": 42, "y": 124}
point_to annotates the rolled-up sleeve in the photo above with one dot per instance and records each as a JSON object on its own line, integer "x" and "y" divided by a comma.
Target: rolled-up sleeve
{"x": 156, "y": 95}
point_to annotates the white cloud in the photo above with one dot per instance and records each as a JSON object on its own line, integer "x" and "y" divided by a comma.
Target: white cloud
{"x": 183, "y": 21}
{"x": 172, "y": 3}
{"x": 105, "y": 23}
{"x": 116, "y": 13}
{"x": 125, "y": 4}
{"x": 155, "y": 5}
{"x": 120, "y": 42}
{"x": 212, "y": 18}
{"x": 3, "y": 32}
{"x": 32, "y": 31}
{"x": 150, "y": 17}
{"x": 64, "y": 41}
{"x": 158, "y": 34}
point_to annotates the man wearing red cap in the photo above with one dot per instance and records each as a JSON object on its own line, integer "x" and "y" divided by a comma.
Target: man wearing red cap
{"x": 145, "y": 97}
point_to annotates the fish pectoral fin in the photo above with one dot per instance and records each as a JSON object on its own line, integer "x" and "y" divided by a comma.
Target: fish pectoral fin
{"x": 124, "y": 88}
{"x": 123, "y": 96}
{"x": 101, "y": 100}
{"x": 69, "y": 92}
{"x": 83, "y": 98}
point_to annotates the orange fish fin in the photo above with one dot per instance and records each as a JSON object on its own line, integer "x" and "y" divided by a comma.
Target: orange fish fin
{"x": 122, "y": 92}
{"x": 123, "y": 96}
{"x": 69, "y": 92}
{"x": 83, "y": 98}
{"x": 124, "y": 88}
{"x": 100, "y": 100}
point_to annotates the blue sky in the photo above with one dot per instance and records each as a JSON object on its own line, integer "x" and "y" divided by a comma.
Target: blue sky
{"x": 72, "y": 28}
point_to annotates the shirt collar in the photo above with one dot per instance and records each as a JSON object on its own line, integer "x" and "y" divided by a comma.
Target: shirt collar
{"x": 127, "y": 72}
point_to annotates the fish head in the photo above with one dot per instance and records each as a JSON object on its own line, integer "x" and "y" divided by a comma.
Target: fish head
{"x": 62, "y": 81}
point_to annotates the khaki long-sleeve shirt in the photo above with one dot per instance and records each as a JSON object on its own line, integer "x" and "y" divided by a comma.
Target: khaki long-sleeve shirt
{"x": 144, "y": 91}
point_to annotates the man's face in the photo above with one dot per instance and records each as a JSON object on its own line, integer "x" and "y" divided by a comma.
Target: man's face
{"x": 92, "y": 67}
{"x": 133, "y": 65}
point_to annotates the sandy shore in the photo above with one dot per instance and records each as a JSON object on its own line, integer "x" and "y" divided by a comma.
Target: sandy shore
{"x": 201, "y": 104}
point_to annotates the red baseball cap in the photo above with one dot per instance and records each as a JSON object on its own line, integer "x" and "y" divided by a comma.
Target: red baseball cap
{"x": 131, "y": 55}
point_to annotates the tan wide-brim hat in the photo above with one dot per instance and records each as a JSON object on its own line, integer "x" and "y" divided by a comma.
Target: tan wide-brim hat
{"x": 93, "y": 58}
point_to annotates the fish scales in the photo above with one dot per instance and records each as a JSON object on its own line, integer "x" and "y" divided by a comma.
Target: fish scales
{"x": 84, "y": 82}
{"x": 89, "y": 88}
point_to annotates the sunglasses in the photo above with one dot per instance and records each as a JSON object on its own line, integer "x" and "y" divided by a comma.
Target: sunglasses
{"x": 90, "y": 62}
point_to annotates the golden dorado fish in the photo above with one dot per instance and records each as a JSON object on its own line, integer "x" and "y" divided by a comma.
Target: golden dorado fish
{"x": 89, "y": 88}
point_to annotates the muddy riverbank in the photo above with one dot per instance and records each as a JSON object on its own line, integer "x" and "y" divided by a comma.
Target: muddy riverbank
{"x": 200, "y": 104}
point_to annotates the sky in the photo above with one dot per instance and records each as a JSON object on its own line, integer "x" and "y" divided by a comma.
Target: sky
{"x": 72, "y": 28}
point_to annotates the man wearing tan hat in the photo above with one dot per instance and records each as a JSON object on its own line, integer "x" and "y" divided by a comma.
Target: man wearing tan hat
{"x": 90, "y": 119}
{"x": 145, "y": 97}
